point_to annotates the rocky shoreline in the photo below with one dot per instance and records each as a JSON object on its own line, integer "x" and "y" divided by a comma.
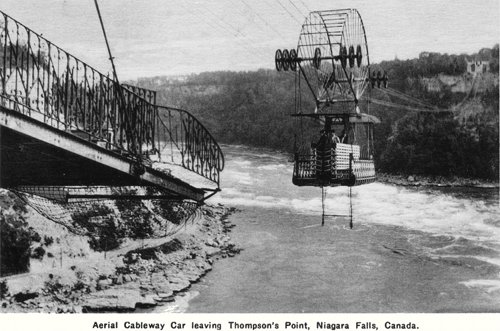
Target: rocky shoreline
{"x": 435, "y": 181}
{"x": 140, "y": 275}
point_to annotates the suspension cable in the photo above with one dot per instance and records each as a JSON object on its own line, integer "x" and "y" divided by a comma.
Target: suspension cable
{"x": 407, "y": 97}
{"x": 111, "y": 58}
{"x": 410, "y": 108}
{"x": 300, "y": 11}
{"x": 305, "y": 6}
{"x": 262, "y": 19}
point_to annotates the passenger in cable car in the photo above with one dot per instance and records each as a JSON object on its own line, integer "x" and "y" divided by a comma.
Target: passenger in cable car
{"x": 333, "y": 138}
{"x": 321, "y": 154}
{"x": 343, "y": 137}
{"x": 323, "y": 139}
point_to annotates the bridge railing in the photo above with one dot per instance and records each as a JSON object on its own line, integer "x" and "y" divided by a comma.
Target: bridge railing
{"x": 183, "y": 140}
{"x": 46, "y": 83}
{"x": 144, "y": 93}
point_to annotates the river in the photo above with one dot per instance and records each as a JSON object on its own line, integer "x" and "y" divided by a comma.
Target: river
{"x": 411, "y": 249}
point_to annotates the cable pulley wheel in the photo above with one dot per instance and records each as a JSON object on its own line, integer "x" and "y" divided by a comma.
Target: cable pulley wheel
{"x": 278, "y": 60}
{"x": 317, "y": 58}
{"x": 293, "y": 60}
{"x": 359, "y": 56}
{"x": 325, "y": 40}
{"x": 343, "y": 56}
{"x": 352, "y": 56}
{"x": 286, "y": 60}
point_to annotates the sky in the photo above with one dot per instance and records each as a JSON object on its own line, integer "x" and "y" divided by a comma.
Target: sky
{"x": 177, "y": 37}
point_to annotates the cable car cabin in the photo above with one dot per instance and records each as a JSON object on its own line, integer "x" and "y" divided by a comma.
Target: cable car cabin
{"x": 338, "y": 160}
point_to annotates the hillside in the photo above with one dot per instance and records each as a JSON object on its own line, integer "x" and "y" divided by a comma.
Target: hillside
{"x": 251, "y": 108}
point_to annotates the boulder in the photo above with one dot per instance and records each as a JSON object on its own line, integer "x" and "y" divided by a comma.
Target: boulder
{"x": 165, "y": 295}
{"x": 118, "y": 300}
{"x": 147, "y": 301}
{"x": 104, "y": 283}
{"x": 21, "y": 297}
{"x": 158, "y": 277}
{"x": 163, "y": 287}
{"x": 179, "y": 283}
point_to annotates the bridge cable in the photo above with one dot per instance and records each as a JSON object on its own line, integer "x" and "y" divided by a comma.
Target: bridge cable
{"x": 262, "y": 19}
{"x": 410, "y": 99}
{"x": 410, "y": 108}
{"x": 407, "y": 97}
{"x": 111, "y": 58}
{"x": 274, "y": 8}
{"x": 217, "y": 24}
{"x": 289, "y": 13}
{"x": 241, "y": 35}
{"x": 237, "y": 34}
{"x": 117, "y": 82}
{"x": 305, "y": 6}
{"x": 300, "y": 11}
{"x": 220, "y": 19}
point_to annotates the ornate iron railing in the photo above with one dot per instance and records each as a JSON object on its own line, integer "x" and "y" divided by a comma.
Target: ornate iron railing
{"x": 46, "y": 83}
{"x": 184, "y": 140}
{"x": 144, "y": 93}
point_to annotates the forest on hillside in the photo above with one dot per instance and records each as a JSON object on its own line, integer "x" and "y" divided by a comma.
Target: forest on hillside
{"x": 253, "y": 108}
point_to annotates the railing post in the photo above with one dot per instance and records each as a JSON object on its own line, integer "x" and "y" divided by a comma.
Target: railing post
{"x": 16, "y": 52}
{"x": 26, "y": 87}
{"x": 4, "y": 57}
{"x": 48, "y": 93}
{"x": 66, "y": 92}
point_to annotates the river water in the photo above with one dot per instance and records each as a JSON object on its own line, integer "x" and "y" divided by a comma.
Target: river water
{"x": 411, "y": 249}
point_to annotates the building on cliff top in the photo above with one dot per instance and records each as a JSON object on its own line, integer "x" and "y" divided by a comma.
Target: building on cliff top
{"x": 477, "y": 67}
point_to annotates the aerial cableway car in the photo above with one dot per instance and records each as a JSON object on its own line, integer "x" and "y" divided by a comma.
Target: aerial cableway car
{"x": 332, "y": 71}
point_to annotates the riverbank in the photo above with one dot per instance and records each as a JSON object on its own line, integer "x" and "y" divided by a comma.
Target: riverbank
{"x": 436, "y": 181}
{"x": 140, "y": 273}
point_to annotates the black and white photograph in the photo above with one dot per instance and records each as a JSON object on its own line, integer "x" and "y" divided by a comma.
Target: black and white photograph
{"x": 249, "y": 157}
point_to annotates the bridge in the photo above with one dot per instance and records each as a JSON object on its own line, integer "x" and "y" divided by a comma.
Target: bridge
{"x": 68, "y": 131}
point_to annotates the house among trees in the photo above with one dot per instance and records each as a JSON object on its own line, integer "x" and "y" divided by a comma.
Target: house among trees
{"x": 477, "y": 67}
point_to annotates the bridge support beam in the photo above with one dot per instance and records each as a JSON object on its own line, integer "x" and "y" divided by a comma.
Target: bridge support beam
{"x": 36, "y": 154}
{"x": 65, "y": 194}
